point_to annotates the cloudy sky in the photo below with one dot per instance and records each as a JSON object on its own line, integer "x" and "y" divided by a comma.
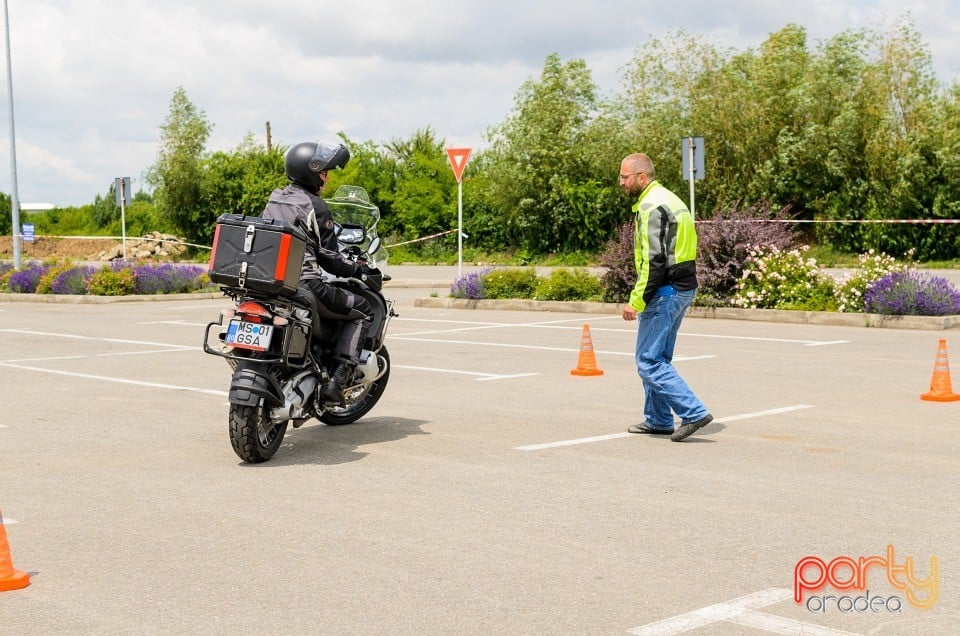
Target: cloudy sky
{"x": 92, "y": 79}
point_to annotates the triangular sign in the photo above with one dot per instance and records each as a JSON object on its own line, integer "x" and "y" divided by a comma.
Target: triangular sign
{"x": 458, "y": 160}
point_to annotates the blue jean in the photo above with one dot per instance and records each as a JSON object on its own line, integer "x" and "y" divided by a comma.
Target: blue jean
{"x": 666, "y": 391}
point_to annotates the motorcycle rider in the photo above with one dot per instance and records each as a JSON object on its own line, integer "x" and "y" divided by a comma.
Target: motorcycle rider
{"x": 306, "y": 165}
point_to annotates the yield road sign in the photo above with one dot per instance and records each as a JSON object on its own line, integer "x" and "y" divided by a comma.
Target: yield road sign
{"x": 458, "y": 160}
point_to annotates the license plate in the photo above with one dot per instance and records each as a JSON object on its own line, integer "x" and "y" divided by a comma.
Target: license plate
{"x": 249, "y": 335}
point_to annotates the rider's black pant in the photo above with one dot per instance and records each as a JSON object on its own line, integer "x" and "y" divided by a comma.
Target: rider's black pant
{"x": 355, "y": 312}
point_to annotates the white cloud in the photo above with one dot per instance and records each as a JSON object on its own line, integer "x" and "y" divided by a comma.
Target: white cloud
{"x": 93, "y": 79}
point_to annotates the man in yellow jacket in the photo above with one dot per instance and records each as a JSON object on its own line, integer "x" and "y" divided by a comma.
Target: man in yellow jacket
{"x": 665, "y": 253}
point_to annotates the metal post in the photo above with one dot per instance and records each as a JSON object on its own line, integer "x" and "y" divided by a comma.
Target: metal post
{"x": 123, "y": 217}
{"x": 14, "y": 196}
{"x": 459, "y": 229}
{"x": 693, "y": 170}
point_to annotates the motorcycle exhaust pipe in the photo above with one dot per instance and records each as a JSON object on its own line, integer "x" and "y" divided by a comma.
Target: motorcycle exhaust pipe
{"x": 296, "y": 394}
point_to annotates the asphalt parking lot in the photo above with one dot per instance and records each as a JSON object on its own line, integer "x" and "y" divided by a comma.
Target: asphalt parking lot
{"x": 490, "y": 491}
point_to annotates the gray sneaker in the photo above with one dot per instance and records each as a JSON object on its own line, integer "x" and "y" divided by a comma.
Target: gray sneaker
{"x": 643, "y": 428}
{"x": 686, "y": 430}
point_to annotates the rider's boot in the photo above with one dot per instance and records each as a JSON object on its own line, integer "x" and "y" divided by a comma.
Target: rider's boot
{"x": 332, "y": 390}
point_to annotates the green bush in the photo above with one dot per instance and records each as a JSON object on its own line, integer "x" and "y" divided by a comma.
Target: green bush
{"x": 510, "y": 283}
{"x": 570, "y": 284}
{"x": 113, "y": 282}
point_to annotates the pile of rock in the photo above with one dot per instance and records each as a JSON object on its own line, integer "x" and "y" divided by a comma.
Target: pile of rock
{"x": 151, "y": 246}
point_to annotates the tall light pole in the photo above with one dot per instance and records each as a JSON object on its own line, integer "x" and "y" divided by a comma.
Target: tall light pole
{"x": 14, "y": 197}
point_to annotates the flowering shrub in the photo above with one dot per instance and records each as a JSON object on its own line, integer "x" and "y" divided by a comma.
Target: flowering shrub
{"x": 112, "y": 281}
{"x": 166, "y": 278}
{"x": 618, "y": 258}
{"x": 65, "y": 278}
{"x": 723, "y": 246}
{"x": 6, "y": 270}
{"x": 851, "y": 290}
{"x": 774, "y": 279}
{"x": 469, "y": 285}
{"x": 725, "y": 242}
{"x": 69, "y": 280}
{"x": 26, "y": 279}
{"x": 910, "y": 292}
{"x": 116, "y": 279}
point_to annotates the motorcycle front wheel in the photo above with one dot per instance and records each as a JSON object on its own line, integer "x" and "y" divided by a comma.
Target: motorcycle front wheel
{"x": 254, "y": 437}
{"x": 359, "y": 401}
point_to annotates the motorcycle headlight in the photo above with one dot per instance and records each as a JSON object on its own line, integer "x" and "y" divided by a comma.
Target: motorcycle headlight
{"x": 351, "y": 235}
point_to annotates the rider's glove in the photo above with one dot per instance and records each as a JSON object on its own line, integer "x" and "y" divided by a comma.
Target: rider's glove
{"x": 371, "y": 276}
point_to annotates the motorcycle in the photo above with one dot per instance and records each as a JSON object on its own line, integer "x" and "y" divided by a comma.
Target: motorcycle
{"x": 277, "y": 340}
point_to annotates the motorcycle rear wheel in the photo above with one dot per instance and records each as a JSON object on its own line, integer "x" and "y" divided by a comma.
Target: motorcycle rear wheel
{"x": 361, "y": 400}
{"x": 253, "y": 436}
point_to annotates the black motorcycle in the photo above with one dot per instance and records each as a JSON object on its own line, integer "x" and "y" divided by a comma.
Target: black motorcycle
{"x": 277, "y": 339}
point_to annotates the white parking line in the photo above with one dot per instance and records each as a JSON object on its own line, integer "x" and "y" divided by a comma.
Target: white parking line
{"x": 520, "y": 346}
{"x": 103, "y": 355}
{"x": 808, "y": 343}
{"x": 178, "y": 323}
{"x": 603, "y": 438}
{"x": 30, "y": 332}
{"x": 740, "y": 611}
{"x": 89, "y": 376}
{"x": 476, "y": 326}
{"x": 505, "y": 345}
{"x": 481, "y": 377}
{"x": 557, "y": 324}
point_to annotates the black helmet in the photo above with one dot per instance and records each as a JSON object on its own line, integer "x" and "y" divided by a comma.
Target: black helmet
{"x": 306, "y": 160}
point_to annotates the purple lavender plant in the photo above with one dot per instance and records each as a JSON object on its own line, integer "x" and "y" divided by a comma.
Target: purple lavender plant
{"x": 73, "y": 281}
{"x": 469, "y": 285}
{"x": 26, "y": 280}
{"x": 912, "y": 292}
{"x": 166, "y": 278}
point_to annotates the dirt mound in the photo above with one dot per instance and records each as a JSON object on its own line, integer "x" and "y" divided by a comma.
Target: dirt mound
{"x": 44, "y": 247}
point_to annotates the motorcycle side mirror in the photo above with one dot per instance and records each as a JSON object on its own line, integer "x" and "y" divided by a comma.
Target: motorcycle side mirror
{"x": 374, "y": 245}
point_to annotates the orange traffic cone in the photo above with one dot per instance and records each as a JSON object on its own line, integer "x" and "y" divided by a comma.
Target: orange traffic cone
{"x": 10, "y": 578}
{"x": 941, "y": 389}
{"x": 587, "y": 362}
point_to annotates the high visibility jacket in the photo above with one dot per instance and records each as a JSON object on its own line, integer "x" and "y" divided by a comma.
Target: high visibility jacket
{"x": 665, "y": 244}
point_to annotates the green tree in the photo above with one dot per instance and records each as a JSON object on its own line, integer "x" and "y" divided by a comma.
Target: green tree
{"x": 372, "y": 169}
{"x": 947, "y": 201}
{"x": 6, "y": 214}
{"x": 177, "y": 173}
{"x": 538, "y": 167}
{"x": 668, "y": 81}
{"x": 424, "y": 193}
{"x": 901, "y": 151}
{"x": 235, "y": 182}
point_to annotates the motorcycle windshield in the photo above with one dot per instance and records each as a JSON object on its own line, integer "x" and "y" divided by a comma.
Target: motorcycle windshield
{"x": 351, "y": 206}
